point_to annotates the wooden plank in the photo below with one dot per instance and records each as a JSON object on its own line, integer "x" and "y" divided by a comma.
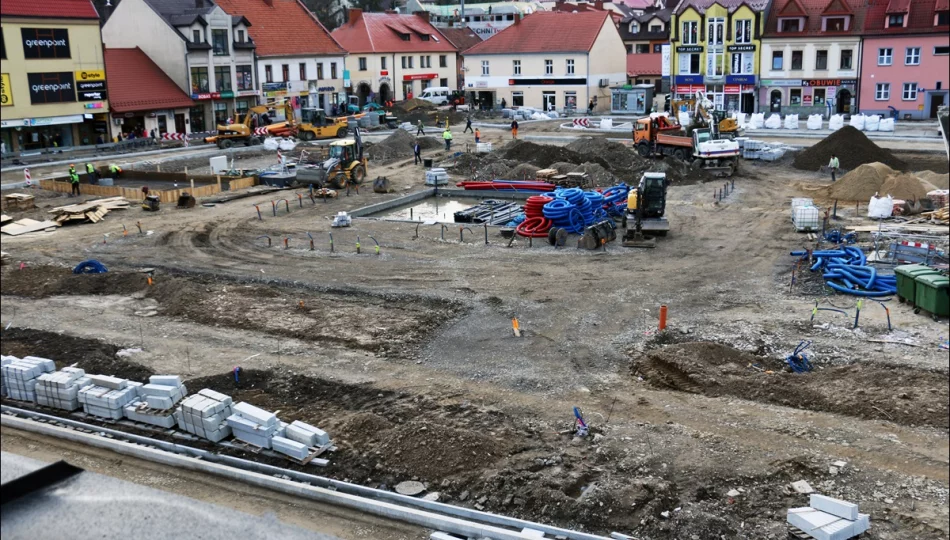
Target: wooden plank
{"x": 27, "y": 226}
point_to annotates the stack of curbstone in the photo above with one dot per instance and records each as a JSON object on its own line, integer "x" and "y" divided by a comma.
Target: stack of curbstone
{"x": 157, "y": 400}
{"x": 60, "y": 390}
{"x": 4, "y": 360}
{"x": 203, "y": 414}
{"x": 298, "y": 438}
{"x": 254, "y": 426}
{"x": 106, "y": 397}
{"x": 829, "y": 519}
{"x": 19, "y": 376}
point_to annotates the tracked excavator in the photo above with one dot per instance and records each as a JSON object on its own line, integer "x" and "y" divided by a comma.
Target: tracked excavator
{"x": 706, "y": 117}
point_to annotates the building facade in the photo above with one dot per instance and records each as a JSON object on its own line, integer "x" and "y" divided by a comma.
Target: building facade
{"x": 206, "y": 51}
{"x": 485, "y": 19}
{"x": 905, "y": 67}
{"x": 393, "y": 56}
{"x": 53, "y": 91}
{"x": 810, "y": 57}
{"x": 550, "y": 61}
{"x": 715, "y": 46}
{"x": 308, "y": 67}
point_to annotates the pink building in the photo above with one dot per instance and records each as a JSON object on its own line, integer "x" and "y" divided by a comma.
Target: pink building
{"x": 905, "y": 64}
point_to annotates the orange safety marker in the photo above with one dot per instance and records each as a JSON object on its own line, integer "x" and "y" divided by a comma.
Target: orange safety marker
{"x": 149, "y": 278}
{"x": 662, "y": 317}
{"x": 515, "y": 327}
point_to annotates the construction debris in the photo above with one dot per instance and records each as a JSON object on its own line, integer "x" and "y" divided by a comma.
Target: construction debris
{"x": 20, "y": 201}
{"x": 92, "y": 211}
{"x": 27, "y": 225}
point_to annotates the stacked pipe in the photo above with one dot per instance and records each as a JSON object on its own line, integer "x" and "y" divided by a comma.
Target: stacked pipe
{"x": 535, "y": 224}
{"x": 845, "y": 270}
{"x": 615, "y": 200}
{"x": 505, "y": 185}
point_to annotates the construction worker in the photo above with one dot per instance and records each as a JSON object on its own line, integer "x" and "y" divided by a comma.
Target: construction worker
{"x": 72, "y": 169}
{"x": 514, "y": 129}
{"x": 833, "y": 165}
{"x": 91, "y": 173}
{"x": 115, "y": 170}
{"x": 478, "y": 135}
{"x": 468, "y": 124}
{"x": 420, "y": 128}
{"x": 417, "y": 153}
{"x": 447, "y": 136}
{"x": 74, "y": 180}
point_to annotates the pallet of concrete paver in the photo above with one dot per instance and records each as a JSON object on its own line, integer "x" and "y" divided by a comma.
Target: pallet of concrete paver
{"x": 20, "y": 374}
{"x": 204, "y": 414}
{"x": 60, "y": 389}
{"x": 306, "y": 434}
{"x": 544, "y": 174}
{"x": 255, "y": 414}
{"x": 251, "y": 432}
{"x": 106, "y": 397}
{"x": 136, "y": 411}
{"x": 290, "y": 448}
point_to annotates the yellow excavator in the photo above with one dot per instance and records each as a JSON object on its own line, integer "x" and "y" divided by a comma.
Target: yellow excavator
{"x": 243, "y": 132}
{"x": 345, "y": 166}
{"x": 721, "y": 126}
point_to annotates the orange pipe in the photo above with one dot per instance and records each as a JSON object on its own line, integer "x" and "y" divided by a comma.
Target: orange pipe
{"x": 662, "y": 317}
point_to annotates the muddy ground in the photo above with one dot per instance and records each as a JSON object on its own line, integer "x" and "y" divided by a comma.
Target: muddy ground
{"x": 408, "y": 360}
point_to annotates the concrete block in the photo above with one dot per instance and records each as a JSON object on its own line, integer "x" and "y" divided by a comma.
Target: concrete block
{"x": 802, "y": 487}
{"x": 80, "y": 371}
{"x": 835, "y": 507}
{"x": 301, "y": 436}
{"x": 45, "y": 364}
{"x": 159, "y": 402}
{"x": 217, "y": 396}
{"x": 291, "y": 448}
{"x": 321, "y": 436}
{"x": 862, "y": 524}
{"x": 165, "y": 380}
{"x": 820, "y": 525}
{"x": 158, "y": 390}
{"x": 255, "y": 414}
{"x": 534, "y": 533}
{"x": 106, "y": 381}
{"x": 250, "y": 437}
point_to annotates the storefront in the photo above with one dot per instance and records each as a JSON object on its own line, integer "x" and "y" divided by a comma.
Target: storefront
{"x": 630, "y": 99}
{"x": 686, "y": 86}
{"x": 215, "y": 108}
{"x": 739, "y": 94}
{"x": 809, "y": 96}
{"x": 27, "y": 134}
{"x": 410, "y": 86}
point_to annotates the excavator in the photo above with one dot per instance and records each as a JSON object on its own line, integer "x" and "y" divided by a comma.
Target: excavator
{"x": 646, "y": 205}
{"x": 315, "y": 124}
{"x": 658, "y": 135}
{"x": 346, "y": 165}
{"x": 242, "y": 132}
{"x": 706, "y": 117}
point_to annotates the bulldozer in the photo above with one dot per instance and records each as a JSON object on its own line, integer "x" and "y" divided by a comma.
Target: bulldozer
{"x": 646, "y": 205}
{"x": 315, "y": 124}
{"x": 242, "y": 132}
{"x": 345, "y": 166}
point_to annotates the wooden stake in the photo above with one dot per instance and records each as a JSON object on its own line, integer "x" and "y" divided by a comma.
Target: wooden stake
{"x": 192, "y": 186}
{"x": 219, "y": 182}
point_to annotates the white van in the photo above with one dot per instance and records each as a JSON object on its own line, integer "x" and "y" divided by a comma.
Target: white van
{"x": 437, "y": 94}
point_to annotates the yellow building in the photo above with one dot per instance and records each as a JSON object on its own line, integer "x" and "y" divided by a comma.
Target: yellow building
{"x": 715, "y": 47}
{"x": 53, "y": 74}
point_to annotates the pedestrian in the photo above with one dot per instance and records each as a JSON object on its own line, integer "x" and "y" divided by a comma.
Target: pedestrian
{"x": 833, "y": 165}
{"x": 478, "y": 135}
{"x": 91, "y": 173}
{"x": 417, "y": 153}
{"x": 468, "y": 124}
{"x": 74, "y": 180}
{"x": 447, "y": 136}
{"x": 409, "y": 95}
{"x": 590, "y": 107}
{"x": 99, "y": 139}
{"x": 514, "y": 129}
{"x": 420, "y": 129}
{"x": 504, "y": 103}
{"x": 115, "y": 170}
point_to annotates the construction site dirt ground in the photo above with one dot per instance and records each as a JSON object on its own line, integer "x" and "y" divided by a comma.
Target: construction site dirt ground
{"x": 407, "y": 357}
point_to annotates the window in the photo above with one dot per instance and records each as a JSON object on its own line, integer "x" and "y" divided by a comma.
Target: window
{"x": 362, "y": 62}
{"x": 912, "y": 56}
{"x": 320, "y": 71}
{"x": 943, "y": 18}
{"x": 657, "y": 48}
{"x": 428, "y": 61}
{"x": 443, "y": 82}
{"x": 797, "y": 59}
{"x": 690, "y": 33}
{"x": 790, "y": 25}
{"x": 333, "y": 70}
{"x": 895, "y": 20}
{"x": 516, "y": 67}
{"x": 382, "y": 62}
{"x": 285, "y": 72}
{"x": 245, "y": 77}
{"x": 689, "y": 64}
{"x": 222, "y": 78}
{"x": 744, "y": 31}
{"x": 404, "y": 63}
{"x": 404, "y": 37}
{"x": 424, "y": 37}
{"x": 941, "y": 50}
{"x": 834, "y": 24}
{"x": 443, "y": 60}
{"x": 220, "y": 112}
{"x": 885, "y": 56}
{"x": 422, "y": 61}
{"x": 643, "y": 48}
{"x": 240, "y": 108}
{"x": 743, "y": 63}
{"x": 821, "y": 59}
{"x": 240, "y": 36}
{"x": 199, "y": 80}
{"x": 715, "y": 34}
{"x": 882, "y": 91}
{"x": 654, "y": 28}
{"x": 629, "y": 48}
{"x": 303, "y": 71}
{"x": 484, "y": 67}
{"x": 909, "y": 92}
{"x": 196, "y": 36}
{"x": 819, "y": 96}
{"x": 634, "y": 27}
{"x": 549, "y": 67}
{"x": 517, "y": 99}
{"x": 777, "y": 60}
{"x": 570, "y": 66}
{"x": 219, "y": 41}
{"x": 795, "y": 96}
{"x": 847, "y": 56}
{"x": 268, "y": 74}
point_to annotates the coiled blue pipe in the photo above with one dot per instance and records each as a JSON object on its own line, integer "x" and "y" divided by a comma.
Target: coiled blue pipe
{"x": 845, "y": 270}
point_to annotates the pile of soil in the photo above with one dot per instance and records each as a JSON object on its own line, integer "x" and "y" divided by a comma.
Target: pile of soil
{"x": 563, "y": 167}
{"x": 399, "y": 146}
{"x": 617, "y": 155}
{"x": 877, "y": 178}
{"x": 598, "y": 175}
{"x": 934, "y": 180}
{"x": 852, "y": 147}
{"x": 91, "y": 355}
{"x": 484, "y": 167}
{"x": 417, "y": 109}
{"x": 543, "y": 155}
{"x": 523, "y": 171}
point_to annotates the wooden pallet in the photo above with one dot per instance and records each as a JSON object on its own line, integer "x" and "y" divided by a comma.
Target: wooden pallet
{"x": 252, "y": 448}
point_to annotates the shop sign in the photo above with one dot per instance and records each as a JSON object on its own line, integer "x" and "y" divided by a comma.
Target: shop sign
{"x": 740, "y": 79}
{"x": 94, "y": 95}
{"x": 346, "y": 79}
{"x": 91, "y": 75}
{"x": 274, "y": 86}
{"x": 226, "y": 95}
{"x": 45, "y": 43}
{"x": 6, "y": 91}
{"x": 481, "y": 84}
{"x": 665, "y": 59}
{"x": 97, "y": 105}
{"x": 688, "y": 79}
{"x": 781, "y": 82}
{"x": 246, "y": 93}
{"x": 689, "y": 88}
{"x": 689, "y": 49}
{"x": 51, "y": 87}
{"x": 420, "y": 77}
{"x": 90, "y": 86}
{"x": 828, "y": 82}
{"x": 326, "y": 89}
{"x": 732, "y": 89}
{"x": 581, "y": 81}
{"x": 384, "y": 73}
{"x": 806, "y": 100}
{"x": 56, "y": 120}
{"x": 385, "y": 80}
{"x": 741, "y": 48}
{"x": 14, "y": 123}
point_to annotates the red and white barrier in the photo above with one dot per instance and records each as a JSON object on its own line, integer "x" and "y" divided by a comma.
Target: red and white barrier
{"x": 582, "y": 122}
{"x": 920, "y": 245}
{"x": 28, "y": 177}
{"x": 174, "y": 137}
{"x": 260, "y": 131}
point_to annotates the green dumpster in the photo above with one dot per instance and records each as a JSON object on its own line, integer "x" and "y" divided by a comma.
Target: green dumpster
{"x": 906, "y": 284}
{"x": 933, "y": 294}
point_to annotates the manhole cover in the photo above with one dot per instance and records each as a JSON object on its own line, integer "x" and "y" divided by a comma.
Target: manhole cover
{"x": 410, "y": 488}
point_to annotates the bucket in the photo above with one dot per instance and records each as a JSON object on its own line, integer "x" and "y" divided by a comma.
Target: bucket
{"x": 427, "y": 163}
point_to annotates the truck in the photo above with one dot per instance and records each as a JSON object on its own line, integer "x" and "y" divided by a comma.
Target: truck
{"x": 658, "y": 136}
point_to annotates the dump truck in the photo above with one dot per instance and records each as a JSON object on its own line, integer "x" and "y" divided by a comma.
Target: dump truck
{"x": 658, "y": 136}
{"x": 243, "y": 132}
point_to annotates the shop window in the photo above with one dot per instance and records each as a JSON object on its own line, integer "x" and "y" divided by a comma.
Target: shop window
{"x": 882, "y": 91}
{"x": 797, "y": 59}
{"x": 240, "y": 109}
{"x": 197, "y": 115}
{"x": 795, "y": 96}
{"x": 222, "y": 78}
{"x": 847, "y": 57}
{"x": 777, "y": 60}
{"x": 219, "y": 42}
{"x": 220, "y": 113}
{"x": 245, "y": 77}
{"x": 570, "y": 100}
{"x": 199, "y": 80}
{"x": 821, "y": 59}
{"x": 517, "y": 99}
{"x": 818, "y": 96}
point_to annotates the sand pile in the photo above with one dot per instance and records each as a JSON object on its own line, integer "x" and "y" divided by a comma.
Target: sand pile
{"x": 399, "y": 145}
{"x": 853, "y": 149}
{"x": 934, "y": 180}
{"x": 877, "y": 178}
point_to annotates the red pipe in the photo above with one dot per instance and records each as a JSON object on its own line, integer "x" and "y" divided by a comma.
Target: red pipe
{"x": 534, "y": 227}
{"x": 534, "y": 204}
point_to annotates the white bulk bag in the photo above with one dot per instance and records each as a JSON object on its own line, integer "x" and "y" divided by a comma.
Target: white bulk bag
{"x": 791, "y": 121}
{"x": 757, "y": 121}
{"x": 857, "y": 122}
{"x": 287, "y": 144}
{"x": 872, "y": 122}
{"x": 774, "y": 121}
{"x": 813, "y": 122}
{"x": 887, "y": 124}
{"x": 881, "y": 207}
{"x": 271, "y": 144}
{"x": 836, "y": 122}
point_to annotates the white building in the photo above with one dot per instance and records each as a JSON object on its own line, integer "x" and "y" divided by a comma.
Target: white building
{"x": 486, "y": 19}
{"x": 549, "y": 60}
{"x": 207, "y": 52}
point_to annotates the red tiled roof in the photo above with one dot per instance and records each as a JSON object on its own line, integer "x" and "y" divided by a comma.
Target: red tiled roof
{"x": 462, "y": 38}
{"x": 942, "y": 5}
{"x": 382, "y": 32}
{"x": 898, "y": 6}
{"x": 50, "y": 9}
{"x": 135, "y": 83}
{"x": 644, "y": 64}
{"x": 813, "y": 11}
{"x": 546, "y": 31}
{"x": 920, "y": 19}
{"x": 731, "y": 5}
{"x": 283, "y": 28}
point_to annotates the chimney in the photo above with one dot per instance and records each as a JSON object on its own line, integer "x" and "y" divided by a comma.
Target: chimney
{"x": 599, "y": 5}
{"x": 424, "y": 15}
{"x": 354, "y": 15}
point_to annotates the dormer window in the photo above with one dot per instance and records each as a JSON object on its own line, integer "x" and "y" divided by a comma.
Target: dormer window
{"x": 634, "y": 27}
{"x": 404, "y": 37}
{"x": 656, "y": 28}
{"x": 835, "y": 24}
{"x": 942, "y": 18}
{"x": 790, "y": 25}
{"x": 196, "y": 36}
{"x": 240, "y": 36}
{"x": 896, "y": 20}
{"x": 425, "y": 37}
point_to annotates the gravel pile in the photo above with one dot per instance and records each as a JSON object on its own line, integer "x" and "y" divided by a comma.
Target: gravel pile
{"x": 852, "y": 147}
{"x": 399, "y": 146}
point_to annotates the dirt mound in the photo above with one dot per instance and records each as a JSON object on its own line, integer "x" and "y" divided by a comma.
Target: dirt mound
{"x": 904, "y": 395}
{"x": 937, "y": 180}
{"x": 91, "y": 355}
{"x": 432, "y": 450}
{"x": 562, "y": 167}
{"x": 905, "y": 186}
{"x": 852, "y": 147}
{"x": 599, "y": 176}
{"x": 399, "y": 145}
{"x": 413, "y": 104}
{"x": 543, "y": 155}
{"x": 877, "y": 178}
{"x": 417, "y": 109}
{"x": 523, "y": 171}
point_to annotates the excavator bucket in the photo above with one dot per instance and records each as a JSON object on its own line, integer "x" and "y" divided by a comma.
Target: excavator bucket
{"x": 186, "y": 200}
{"x": 636, "y": 239}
